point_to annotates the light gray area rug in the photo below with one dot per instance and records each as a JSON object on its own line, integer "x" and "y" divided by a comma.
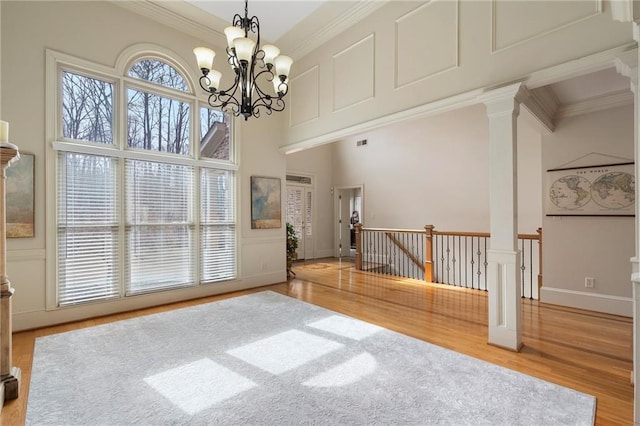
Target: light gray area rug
{"x": 267, "y": 359}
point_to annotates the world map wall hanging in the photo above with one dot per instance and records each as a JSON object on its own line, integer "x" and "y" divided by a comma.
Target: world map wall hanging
{"x": 605, "y": 190}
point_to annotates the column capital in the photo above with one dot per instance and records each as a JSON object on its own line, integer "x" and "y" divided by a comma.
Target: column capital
{"x": 625, "y": 11}
{"x": 627, "y": 66}
{"x": 505, "y": 99}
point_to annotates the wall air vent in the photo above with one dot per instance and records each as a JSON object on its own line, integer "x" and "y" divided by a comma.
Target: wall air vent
{"x": 299, "y": 179}
{"x": 361, "y": 142}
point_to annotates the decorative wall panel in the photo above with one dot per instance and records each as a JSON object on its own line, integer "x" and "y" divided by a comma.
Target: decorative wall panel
{"x": 354, "y": 74}
{"x": 305, "y": 97}
{"x": 515, "y": 22}
{"x": 426, "y": 41}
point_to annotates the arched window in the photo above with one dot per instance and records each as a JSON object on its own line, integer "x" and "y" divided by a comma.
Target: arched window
{"x": 143, "y": 203}
{"x": 158, "y": 72}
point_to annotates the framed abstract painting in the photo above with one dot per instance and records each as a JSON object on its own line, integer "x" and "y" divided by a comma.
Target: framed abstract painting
{"x": 265, "y": 203}
{"x": 20, "y": 197}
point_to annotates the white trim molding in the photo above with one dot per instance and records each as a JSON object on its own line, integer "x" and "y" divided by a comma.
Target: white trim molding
{"x": 615, "y": 305}
{"x": 598, "y": 103}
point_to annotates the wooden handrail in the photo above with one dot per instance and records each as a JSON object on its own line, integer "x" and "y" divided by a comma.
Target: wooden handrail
{"x": 462, "y": 234}
{"x": 391, "y": 230}
{"x": 405, "y": 251}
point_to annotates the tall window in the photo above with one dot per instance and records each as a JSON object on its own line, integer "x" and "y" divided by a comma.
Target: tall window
{"x": 145, "y": 204}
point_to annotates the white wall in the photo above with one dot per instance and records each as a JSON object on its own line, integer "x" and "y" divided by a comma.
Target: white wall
{"x": 429, "y": 171}
{"x": 99, "y": 32}
{"x": 435, "y": 171}
{"x": 318, "y": 163}
{"x": 579, "y": 247}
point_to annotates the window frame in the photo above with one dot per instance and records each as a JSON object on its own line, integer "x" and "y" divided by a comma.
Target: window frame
{"x": 56, "y": 64}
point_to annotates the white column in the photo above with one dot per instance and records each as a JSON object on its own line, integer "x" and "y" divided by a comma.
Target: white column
{"x": 503, "y": 256}
{"x": 627, "y": 65}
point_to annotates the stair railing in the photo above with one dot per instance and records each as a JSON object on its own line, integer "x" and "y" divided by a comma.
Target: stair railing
{"x": 445, "y": 257}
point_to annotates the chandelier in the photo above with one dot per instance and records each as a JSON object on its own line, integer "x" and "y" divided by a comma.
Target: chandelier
{"x": 251, "y": 63}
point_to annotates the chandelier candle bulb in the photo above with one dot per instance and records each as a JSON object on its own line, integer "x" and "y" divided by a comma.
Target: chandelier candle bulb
{"x": 244, "y": 48}
{"x": 214, "y": 79}
{"x": 204, "y": 57}
{"x": 232, "y": 34}
{"x": 4, "y": 131}
{"x": 283, "y": 65}
{"x": 270, "y": 53}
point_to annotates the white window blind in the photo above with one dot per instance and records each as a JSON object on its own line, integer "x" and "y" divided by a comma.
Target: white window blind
{"x": 87, "y": 228}
{"x": 217, "y": 229}
{"x": 159, "y": 230}
{"x": 143, "y": 204}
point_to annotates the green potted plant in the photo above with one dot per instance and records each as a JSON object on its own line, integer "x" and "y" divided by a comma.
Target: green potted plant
{"x": 292, "y": 246}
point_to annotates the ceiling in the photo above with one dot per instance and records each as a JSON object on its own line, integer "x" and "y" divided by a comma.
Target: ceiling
{"x": 590, "y": 86}
{"x": 276, "y": 17}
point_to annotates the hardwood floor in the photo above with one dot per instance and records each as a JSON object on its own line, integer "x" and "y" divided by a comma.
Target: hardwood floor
{"x": 586, "y": 351}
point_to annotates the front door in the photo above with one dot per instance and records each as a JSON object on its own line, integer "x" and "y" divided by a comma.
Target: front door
{"x": 299, "y": 214}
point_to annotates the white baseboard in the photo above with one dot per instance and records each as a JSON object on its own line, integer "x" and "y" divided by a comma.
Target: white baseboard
{"x": 591, "y": 301}
{"x": 320, "y": 254}
{"x": 41, "y": 318}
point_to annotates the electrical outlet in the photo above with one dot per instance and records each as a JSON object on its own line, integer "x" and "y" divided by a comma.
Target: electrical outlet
{"x": 589, "y": 282}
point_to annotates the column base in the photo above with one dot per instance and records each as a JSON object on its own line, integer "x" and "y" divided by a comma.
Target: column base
{"x": 514, "y": 349}
{"x": 11, "y": 384}
{"x": 503, "y": 273}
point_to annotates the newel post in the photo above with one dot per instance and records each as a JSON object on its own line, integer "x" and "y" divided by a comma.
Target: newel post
{"x": 539, "y": 231}
{"x": 358, "y": 227}
{"x": 428, "y": 253}
{"x": 9, "y": 375}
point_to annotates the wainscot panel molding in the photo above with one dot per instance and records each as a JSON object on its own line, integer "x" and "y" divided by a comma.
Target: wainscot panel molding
{"x": 25, "y": 255}
{"x": 515, "y": 23}
{"x": 478, "y": 68}
{"x": 305, "y": 97}
{"x": 596, "y": 62}
{"x": 354, "y": 74}
{"x": 432, "y": 27}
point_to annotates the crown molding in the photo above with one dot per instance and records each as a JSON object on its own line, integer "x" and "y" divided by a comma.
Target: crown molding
{"x": 355, "y": 13}
{"x": 193, "y": 21}
{"x": 578, "y": 67}
{"x": 181, "y": 16}
{"x": 543, "y": 103}
{"x": 598, "y": 103}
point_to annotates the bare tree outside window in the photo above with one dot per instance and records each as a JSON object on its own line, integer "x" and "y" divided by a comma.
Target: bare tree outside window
{"x": 157, "y": 123}
{"x": 158, "y": 72}
{"x": 87, "y": 108}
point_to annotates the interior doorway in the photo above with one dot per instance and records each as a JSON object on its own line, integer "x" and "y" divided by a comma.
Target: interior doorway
{"x": 300, "y": 215}
{"x": 349, "y": 203}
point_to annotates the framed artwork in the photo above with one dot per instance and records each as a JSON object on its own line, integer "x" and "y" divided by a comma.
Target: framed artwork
{"x": 606, "y": 190}
{"x": 20, "y": 202}
{"x": 265, "y": 203}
